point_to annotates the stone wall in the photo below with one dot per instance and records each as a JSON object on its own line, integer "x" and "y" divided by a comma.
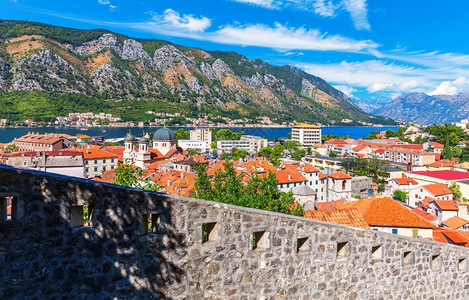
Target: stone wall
{"x": 43, "y": 254}
{"x": 361, "y": 185}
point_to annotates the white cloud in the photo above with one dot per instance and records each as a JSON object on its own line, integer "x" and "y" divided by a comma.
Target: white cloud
{"x": 283, "y": 37}
{"x": 263, "y": 3}
{"x": 108, "y": 3}
{"x": 347, "y": 90}
{"x": 378, "y": 87}
{"x": 324, "y": 8}
{"x": 185, "y": 22}
{"x": 359, "y": 13}
{"x": 454, "y": 87}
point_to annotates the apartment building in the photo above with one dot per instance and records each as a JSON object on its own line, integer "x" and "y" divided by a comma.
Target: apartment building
{"x": 306, "y": 134}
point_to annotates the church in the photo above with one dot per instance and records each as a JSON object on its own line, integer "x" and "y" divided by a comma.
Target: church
{"x": 161, "y": 147}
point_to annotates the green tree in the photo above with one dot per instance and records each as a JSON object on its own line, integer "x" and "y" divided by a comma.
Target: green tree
{"x": 182, "y": 134}
{"x": 454, "y": 187}
{"x": 237, "y": 153}
{"x": 224, "y": 156}
{"x": 259, "y": 193}
{"x": 298, "y": 154}
{"x": 131, "y": 176}
{"x": 447, "y": 152}
{"x": 465, "y": 154}
{"x": 400, "y": 195}
{"x": 276, "y": 155}
{"x": 291, "y": 145}
{"x": 192, "y": 151}
{"x": 332, "y": 154}
{"x": 111, "y": 144}
{"x": 11, "y": 148}
{"x": 265, "y": 152}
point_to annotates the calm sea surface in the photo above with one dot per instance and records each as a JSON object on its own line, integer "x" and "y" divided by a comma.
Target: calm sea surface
{"x": 8, "y": 134}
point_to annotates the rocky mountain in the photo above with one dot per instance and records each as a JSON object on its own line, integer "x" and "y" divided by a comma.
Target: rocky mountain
{"x": 88, "y": 69}
{"x": 423, "y": 109}
{"x": 370, "y": 105}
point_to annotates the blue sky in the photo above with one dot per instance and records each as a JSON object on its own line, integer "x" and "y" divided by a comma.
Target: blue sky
{"x": 366, "y": 48}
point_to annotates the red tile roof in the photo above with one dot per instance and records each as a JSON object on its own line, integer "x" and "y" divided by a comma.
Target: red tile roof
{"x": 424, "y": 214}
{"x": 327, "y": 206}
{"x": 380, "y": 150}
{"x": 445, "y": 174}
{"x": 455, "y": 222}
{"x": 437, "y": 145}
{"x": 335, "y": 142}
{"x": 450, "y": 236}
{"x": 384, "y": 211}
{"x": 345, "y": 217}
{"x": 97, "y": 154}
{"x": 322, "y": 175}
{"x": 441, "y": 163}
{"x": 447, "y": 205}
{"x": 405, "y": 181}
{"x": 438, "y": 189}
{"x": 289, "y": 176}
{"x": 340, "y": 175}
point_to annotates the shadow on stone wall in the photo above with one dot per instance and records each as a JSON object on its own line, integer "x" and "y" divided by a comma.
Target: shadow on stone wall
{"x": 42, "y": 253}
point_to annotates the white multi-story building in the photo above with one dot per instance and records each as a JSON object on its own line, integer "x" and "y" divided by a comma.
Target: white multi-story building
{"x": 201, "y": 134}
{"x": 194, "y": 144}
{"x": 306, "y": 134}
{"x": 249, "y": 143}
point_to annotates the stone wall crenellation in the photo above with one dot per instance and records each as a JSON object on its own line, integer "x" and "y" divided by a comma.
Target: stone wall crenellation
{"x": 195, "y": 249}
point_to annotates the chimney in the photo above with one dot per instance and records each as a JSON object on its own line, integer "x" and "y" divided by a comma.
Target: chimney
{"x": 168, "y": 182}
{"x": 182, "y": 174}
{"x": 289, "y": 176}
{"x": 403, "y": 175}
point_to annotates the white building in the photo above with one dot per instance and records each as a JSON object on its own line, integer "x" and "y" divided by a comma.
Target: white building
{"x": 306, "y": 134}
{"x": 194, "y": 144}
{"x": 201, "y": 134}
{"x": 249, "y": 143}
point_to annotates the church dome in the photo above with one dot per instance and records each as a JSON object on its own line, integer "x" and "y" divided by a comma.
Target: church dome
{"x": 129, "y": 138}
{"x": 143, "y": 140}
{"x": 164, "y": 134}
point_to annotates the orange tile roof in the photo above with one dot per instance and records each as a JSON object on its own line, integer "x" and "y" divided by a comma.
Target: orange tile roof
{"x": 97, "y": 154}
{"x": 438, "y": 189}
{"x": 327, "y": 206}
{"x": 424, "y": 214}
{"x": 380, "y": 150}
{"x": 289, "y": 176}
{"x": 447, "y": 205}
{"x": 441, "y": 163}
{"x": 340, "y": 175}
{"x": 405, "y": 181}
{"x": 118, "y": 150}
{"x": 183, "y": 186}
{"x": 345, "y": 217}
{"x": 157, "y": 164}
{"x": 384, "y": 211}
{"x": 455, "y": 222}
{"x": 426, "y": 201}
{"x": 437, "y": 145}
{"x": 450, "y": 236}
{"x": 359, "y": 148}
{"x": 322, "y": 175}
{"x": 335, "y": 142}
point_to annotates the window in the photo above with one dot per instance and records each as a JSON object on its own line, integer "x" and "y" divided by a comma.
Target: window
{"x": 415, "y": 232}
{"x": 112, "y": 167}
{"x": 95, "y": 161}
{"x": 150, "y": 223}
{"x": 343, "y": 250}
{"x": 86, "y": 162}
{"x": 462, "y": 265}
{"x": 302, "y": 245}
{"x": 86, "y": 170}
{"x": 294, "y": 185}
{"x": 104, "y": 161}
{"x": 281, "y": 186}
{"x": 6, "y": 202}
{"x": 394, "y": 231}
{"x": 210, "y": 232}
{"x": 81, "y": 215}
{"x": 316, "y": 182}
{"x": 112, "y": 160}
{"x": 344, "y": 182}
{"x": 436, "y": 262}
{"x": 376, "y": 254}
{"x": 104, "y": 169}
{"x": 25, "y": 164}
{"x": 96, "y": 169}
{"x": 260, "y": 239}
{"x": 408, "y": 258}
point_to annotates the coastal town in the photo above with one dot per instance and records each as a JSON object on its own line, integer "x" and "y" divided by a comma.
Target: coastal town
{"x": 412, "y": 182}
